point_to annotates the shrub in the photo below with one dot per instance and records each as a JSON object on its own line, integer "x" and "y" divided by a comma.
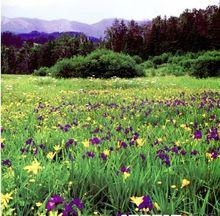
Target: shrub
{"x": 206, "y": 66}
{"x": 158, "y": 60}
{"x": 99, "y": 64}
{"x": 171, "y": 69}
{"x": 43, "y": 71}
{"x": 137, "y": 59}
{"x": 186, "y": 64}
{"x": 147, "y": 64}
{"x": 67, "y": 68}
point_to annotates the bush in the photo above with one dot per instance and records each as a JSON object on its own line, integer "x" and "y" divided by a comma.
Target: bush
{"x": 43, "y": 71}
{"x": 158, "y": 60}
{"x": 206, "y": 66}
{"x": 170, "y": 69}
{"x": 67, "y": 68}
{"x": 147, "y": 64}
{"x": 186, "y": 64}
{"x": 137, "y": 59}
{"x": 99, "y": 64}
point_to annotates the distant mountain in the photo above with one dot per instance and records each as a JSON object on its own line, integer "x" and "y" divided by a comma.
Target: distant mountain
{"x": 26, "y": 25}
{"x": 18, "y": 39}
{"x": 35, "y": 36}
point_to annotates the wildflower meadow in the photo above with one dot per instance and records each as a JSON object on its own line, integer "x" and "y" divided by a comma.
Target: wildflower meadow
{"x": 147, "y": 145}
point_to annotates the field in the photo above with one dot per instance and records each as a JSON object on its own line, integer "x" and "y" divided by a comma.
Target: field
{"x": 108, "y": 147}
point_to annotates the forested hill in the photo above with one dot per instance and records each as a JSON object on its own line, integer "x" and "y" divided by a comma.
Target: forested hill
{"x": 17, "y": 40}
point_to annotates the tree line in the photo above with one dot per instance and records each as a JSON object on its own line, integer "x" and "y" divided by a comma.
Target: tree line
{"x": 32, "y": 56}
{"x": 193, "y": 31}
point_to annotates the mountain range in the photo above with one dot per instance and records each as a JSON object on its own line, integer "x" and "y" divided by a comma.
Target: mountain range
{"x": 26, "y": 25}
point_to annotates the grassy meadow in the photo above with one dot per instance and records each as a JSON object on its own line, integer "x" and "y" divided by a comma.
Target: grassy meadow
{"x": 109, "y": 147}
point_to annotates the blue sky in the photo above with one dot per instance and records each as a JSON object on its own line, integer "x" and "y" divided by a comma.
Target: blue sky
{"x": 91, "y": 11}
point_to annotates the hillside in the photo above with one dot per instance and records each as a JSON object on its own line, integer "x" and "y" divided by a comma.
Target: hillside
{"x": 26, "y": 25}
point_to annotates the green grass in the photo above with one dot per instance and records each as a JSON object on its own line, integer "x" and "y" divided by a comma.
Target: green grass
{"x": 141, "y": 103}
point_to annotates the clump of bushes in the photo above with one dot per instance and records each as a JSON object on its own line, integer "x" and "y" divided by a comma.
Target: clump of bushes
{"x": 206, "y": 67}
{"x": 43, "y": 71}
{"x": 201, "y": 65}
{"x": 105, "y": 64}
{"x": 161, "y": 59}
{"x": 99, "y": 64}
{"x": 137, "y": 59}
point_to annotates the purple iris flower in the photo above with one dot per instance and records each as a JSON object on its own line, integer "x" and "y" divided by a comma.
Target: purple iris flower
{"x": 119, "y": 128}
{"x": 35, "y": 151}
{"x": 6, "y": 163}
{"x": 198, "y": 134}
{"x": 23, "y": 150}
{"x": 175, "y": 149}
{"x": 95, "y": 140}
{"x": 95, "y": 131}
{"x": 90, "y": 154}
{"x": 214, "y": 155}
{"x": 136, "y": 135}
{"x": 194, "y": 152}
{"x": 147, "y": 203}
{"x": 124, "y": 169}
{"x": 69, "y": 143}
{"x": 103, "y": 156}
{"x": 143, "y": 157}
{"x": 164, "y": 157}
{"x": 68, "y": 210}
{"x": 53, "y": 202}
{"x": 40, "y": 118}
{"x": 183, "y": 152}
{"x": 2, "y": 145}
{"x": 123, "y": 145}
{"x": 42, "y": 146}
{"x": 29, "y": 141}
{"x": 78, "y": 203}
{"x": 66, "y": 127}
{"x": 213, "y": 134}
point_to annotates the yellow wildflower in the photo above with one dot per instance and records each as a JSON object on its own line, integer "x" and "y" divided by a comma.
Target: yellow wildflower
{"x": 34, "y": 167}
{"x": 140, "y": 142}
{"x": 106, "y": 152}
{"x": 185, "y": 182}
{"x": 209, "y": 156}
{"x": 159, "y": 182}
{"x": 51, "y": 155}
{"x": 177, "y": 143}
{"x": 5, "y": 199}
{"x": 126, "y": 175}
{"x": 2, "y": 139}
{"x": 54, "y": 213}
{"x": 86, "y": 144}
{"x": 157, "y": 206}
{"x": 182, "y": 125}
{"x": 136, "y": 200}
{"x": 38, "y": 204}
{"x": 188, "y": 129}
{"x": 57, "y": 148}
{"x": 173, "y": 186}
{"x": 88, "y": 119}
{"x": 160, "y": 139}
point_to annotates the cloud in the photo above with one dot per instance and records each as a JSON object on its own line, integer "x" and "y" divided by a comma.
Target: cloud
{"x": 94, "y": 10}
{"x": 26, "y": 3}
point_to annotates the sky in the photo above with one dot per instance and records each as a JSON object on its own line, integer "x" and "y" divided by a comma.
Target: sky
{"x": 91, "y": 11}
